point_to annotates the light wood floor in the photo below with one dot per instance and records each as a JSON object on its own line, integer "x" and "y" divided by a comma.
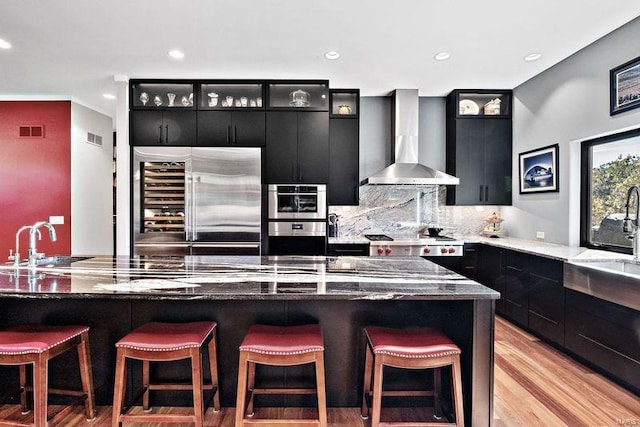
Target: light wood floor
{"x": 535, "y": 385}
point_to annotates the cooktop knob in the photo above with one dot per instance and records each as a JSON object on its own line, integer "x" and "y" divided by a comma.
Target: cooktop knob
{"x": 380, "y": 251}
{"x": 427, "y": 250}
{"x": 443, "y": 250}
{"x": 387, "y": 251}
{"x": 452, "y": 250}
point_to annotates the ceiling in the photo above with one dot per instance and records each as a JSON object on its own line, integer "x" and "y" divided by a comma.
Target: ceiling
{"x": 74, "y": 48}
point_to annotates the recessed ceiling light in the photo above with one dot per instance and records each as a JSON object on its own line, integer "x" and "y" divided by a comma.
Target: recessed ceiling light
{"x": 332, "y": 55}
{"x": 109, "y": 95}
{"x": 442, "y": 56}
{"x": 532, "y": 57}
{"x": 176, "y": 54}
{"x": 5, "y": 44}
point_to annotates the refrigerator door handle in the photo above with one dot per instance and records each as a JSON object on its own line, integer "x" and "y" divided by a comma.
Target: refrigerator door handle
{"x": 228, "y": 134}
{"x": 194, "y": 209}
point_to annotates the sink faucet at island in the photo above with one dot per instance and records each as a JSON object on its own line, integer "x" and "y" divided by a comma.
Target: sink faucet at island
{"x": 631, "y": 229}
{"x": 15, "y": 257}
{"x": 34, "y": 256}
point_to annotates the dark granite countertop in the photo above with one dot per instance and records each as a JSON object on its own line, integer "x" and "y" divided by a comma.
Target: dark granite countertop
{"x": 242, "y": 278}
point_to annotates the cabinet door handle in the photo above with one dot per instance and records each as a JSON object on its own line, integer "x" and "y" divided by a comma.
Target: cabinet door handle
{"x": 543, "y": 317}
{"x": 293, "y": 172}
{"x": 486, "y": 193}
{"x": 228, "y": 134}
{"x": 299, "y": 173}
{"x": 480, "y": 194}
{"x": 608, "y": 348}
{"x": 160, "y": 134}
{"x": 235, "y": 134}
{"x": 513, "y": 302}
{"x": 166, "y": 133}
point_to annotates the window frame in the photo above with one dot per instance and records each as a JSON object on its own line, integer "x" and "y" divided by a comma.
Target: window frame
{"x": 586, "y": 160}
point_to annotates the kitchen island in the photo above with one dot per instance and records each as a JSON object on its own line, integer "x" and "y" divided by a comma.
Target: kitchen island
{"x": 342, "y": 294}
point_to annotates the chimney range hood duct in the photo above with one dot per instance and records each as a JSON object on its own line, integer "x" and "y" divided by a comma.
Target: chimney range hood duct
{"x": 406, "y": 169}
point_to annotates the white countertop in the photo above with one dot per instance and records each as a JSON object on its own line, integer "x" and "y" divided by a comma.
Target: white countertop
{"x": 534, "y": 247}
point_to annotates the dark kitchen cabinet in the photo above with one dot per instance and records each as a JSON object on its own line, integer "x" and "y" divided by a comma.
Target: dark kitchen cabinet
{"x": 516, "y": 287}
{"x": 297, "y": 147}
{"x": 231, "y": 128}
{"x": 490, "y": 271}
{"x": 163, "y": 127}
{"x": 605, "y": 335}
{"x": 344, "y": 147}
{"x": 479, "y": 149}
{"x": 546, "y": 299}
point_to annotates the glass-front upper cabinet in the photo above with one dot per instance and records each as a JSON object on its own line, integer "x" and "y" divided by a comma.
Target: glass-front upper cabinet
{"x": 157, "y": 95}
{"x": 303, "y": 95}
{"x": 345, "y": 103}
{"x": 227, "y": 95}
{"x": 483, "y": 103}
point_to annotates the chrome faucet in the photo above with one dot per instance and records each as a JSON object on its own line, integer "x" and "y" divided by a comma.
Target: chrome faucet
{"x": 631, "y": 227}
{"x": 34, "y": 256}
{"x": 15, "y": 257}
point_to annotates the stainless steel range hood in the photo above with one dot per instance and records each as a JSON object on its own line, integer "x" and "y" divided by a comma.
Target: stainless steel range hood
{"x": 406, "y": 169}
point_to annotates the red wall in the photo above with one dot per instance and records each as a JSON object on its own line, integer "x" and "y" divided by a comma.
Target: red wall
{"x": 35, "y": 173}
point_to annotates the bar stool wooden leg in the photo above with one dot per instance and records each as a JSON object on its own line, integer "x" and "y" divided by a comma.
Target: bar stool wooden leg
{"x": 146, "y": 366}
{"x": 376, "y": 406}
{"x": 40, "y": 390}
{"x": 241, "y": 398}
{"x": 213, "y": 370}
{"x": 120, "y": 381}
{"x": 320, "y": 389}
{"x": 457, "y": 389}
{"x": 23, "y": 390}
{"x": 196, "y": 374}
{"x": 366, "y": 390}
{"x": 86, "y": 376}
{"x": 251, "y": 384}
{"x": 437, "y": 383}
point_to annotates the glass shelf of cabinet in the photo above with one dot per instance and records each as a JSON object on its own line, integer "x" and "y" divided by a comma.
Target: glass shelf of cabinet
{"x": 221, "y": 96}
{"x": 301, "y": 95}
{"x": 345, "y": 103}
{"x": 483, "y": 103}
{"x": 162, "y": 95}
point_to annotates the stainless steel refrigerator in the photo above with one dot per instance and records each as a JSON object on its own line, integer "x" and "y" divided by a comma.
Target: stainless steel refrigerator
{"x": 196, "y": 201}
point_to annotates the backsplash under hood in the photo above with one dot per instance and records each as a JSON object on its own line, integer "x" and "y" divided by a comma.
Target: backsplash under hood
{"x": 406, "y": 169}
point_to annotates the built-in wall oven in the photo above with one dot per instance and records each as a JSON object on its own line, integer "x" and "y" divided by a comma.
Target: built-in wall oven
{"x": 297, "y": 219}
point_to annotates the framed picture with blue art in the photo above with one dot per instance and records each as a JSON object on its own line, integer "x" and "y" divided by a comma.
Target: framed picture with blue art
{"x": 624, "y": 82}
{"x": 539, "y": 170}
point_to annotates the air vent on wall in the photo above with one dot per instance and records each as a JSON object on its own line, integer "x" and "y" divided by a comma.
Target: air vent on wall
{"x": 94, "y": 139}
{"x": 31, "y": 132}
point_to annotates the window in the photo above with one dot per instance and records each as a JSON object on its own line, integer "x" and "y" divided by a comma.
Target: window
{"x": 609, "y": 167}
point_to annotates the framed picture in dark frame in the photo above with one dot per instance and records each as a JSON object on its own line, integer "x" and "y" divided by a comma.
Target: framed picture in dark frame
{"x": 538, "y": 170}
{"x": 625, "y": 87}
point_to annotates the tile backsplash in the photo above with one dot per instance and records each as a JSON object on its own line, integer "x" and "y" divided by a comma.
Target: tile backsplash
{"x": 407, "y": 210}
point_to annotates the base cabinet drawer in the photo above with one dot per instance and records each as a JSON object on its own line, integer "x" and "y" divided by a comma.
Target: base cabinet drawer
{"x": 606, "y": 335}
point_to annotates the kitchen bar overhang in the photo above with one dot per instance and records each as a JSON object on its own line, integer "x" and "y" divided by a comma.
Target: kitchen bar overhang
{"x": 342, "y": 294}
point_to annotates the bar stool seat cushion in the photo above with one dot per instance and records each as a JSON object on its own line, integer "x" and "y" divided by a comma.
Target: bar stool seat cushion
{"x": 159, "y": 336}
{"x": 283, "y": 340}
{"x": 416, "y": 343}
{"x": 35, "y": 338}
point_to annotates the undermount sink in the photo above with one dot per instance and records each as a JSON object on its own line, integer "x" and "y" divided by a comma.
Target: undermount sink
{"x": 616, "y": 281}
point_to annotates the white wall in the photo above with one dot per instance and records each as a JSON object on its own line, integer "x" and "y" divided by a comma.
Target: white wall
{"x": 566, "y": 104}
{"x": 91, "y": 183}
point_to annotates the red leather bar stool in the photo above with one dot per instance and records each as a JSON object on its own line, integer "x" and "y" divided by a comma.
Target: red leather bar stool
{"x": 280, "y": 346}
{"x": 164, "y": 342}
{"x": 422, "y": 348}
{"x": 36, "y": 345}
